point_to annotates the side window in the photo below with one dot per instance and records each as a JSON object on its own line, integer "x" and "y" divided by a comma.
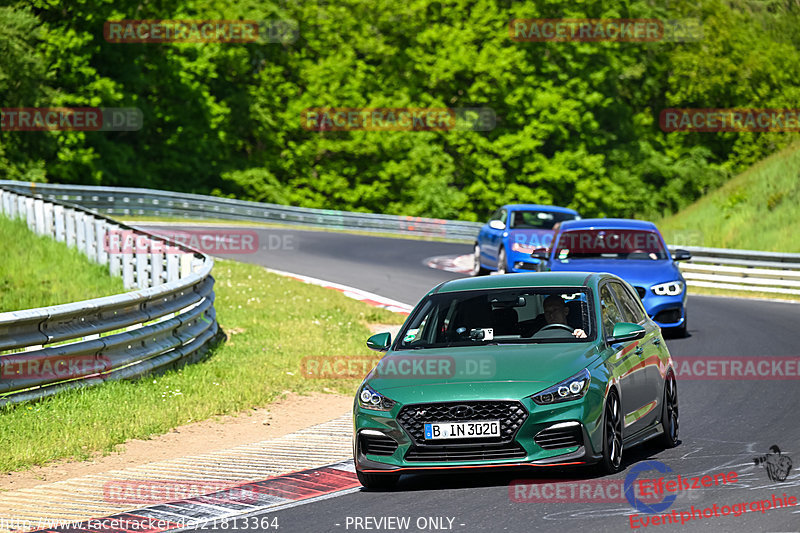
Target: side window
{"x": 503, "y": 216}
{"x": 608, "y": 310}
{"x": 631, "y": 310}
{"x": 497, "y": 215}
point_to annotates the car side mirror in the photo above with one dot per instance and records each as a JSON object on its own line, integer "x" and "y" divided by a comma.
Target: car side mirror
{"x": 497, "y": 224}
{"x": 380, "y": 342}
{"x": 681, "y": 255}
{"x": 540, "y": 253}
{"x": 626, "y": 332}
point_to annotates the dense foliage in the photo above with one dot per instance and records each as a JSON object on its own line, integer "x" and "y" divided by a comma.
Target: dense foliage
{"x": 577, "y": 122}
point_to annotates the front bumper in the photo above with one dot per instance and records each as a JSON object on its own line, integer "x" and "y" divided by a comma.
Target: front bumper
{"x": 584, "y": 418}
{"x": 519, "y": 262}
{"x": 666, "y": 311}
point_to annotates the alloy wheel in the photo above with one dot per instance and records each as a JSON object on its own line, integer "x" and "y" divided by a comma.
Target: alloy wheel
{"x": 614, "y": 432}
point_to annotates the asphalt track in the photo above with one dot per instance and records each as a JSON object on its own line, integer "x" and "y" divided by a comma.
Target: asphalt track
{"x": 723, "y": 424}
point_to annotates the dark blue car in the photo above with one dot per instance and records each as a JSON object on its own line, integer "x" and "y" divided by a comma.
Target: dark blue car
{"x": 633, "y": 250}
{"x": 514, "y": 231}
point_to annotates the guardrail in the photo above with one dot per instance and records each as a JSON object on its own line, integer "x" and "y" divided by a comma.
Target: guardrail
{"x": 124, "y": 201}
{"x": 169, "y": 320}
{"x": 742, "y": 270}
{"x": 745, "y": 270}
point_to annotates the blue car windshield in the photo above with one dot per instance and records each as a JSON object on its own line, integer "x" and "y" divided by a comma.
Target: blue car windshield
{"x": 610, "y": 244}
{"x": 537, "y": 219}
{"x": 507, "y": 316}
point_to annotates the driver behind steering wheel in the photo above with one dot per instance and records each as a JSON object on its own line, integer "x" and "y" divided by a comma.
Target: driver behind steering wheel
{"x": 556, "y": 311}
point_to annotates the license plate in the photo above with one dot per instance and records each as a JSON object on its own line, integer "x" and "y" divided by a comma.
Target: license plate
{"x": 462, "y": 430}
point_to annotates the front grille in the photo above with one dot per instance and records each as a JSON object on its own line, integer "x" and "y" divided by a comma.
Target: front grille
{"x": 642, "y": 291}
{"x": 559, "y": 437}
{"x": 377, "y": 445}
{"x": 668, "y": 316}
{"x": 480, "y": 452}
{"x": 511, "y": 414}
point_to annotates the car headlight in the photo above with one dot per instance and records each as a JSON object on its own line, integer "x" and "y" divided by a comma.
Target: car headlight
{"x": 369, "y": 399}
{"x": 671, "y": 288}
{"x": 522, "y": 248}
{"x": 573, "y": 388}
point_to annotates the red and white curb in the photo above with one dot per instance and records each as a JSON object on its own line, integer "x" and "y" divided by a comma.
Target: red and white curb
{"x": 462, "y": 264}
{"x": 226, "y": 481}
{"x": 369, "y": 298}
{"x": 222, "y": 509}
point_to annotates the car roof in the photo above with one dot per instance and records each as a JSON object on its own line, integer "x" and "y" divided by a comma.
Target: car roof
{"x": 533, "y": 279}
{"x": 538, "y": 207}
{"x": 608, "y": 223}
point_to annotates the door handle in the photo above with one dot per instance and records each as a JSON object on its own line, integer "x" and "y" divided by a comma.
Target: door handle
{"x": 639, "y": 351}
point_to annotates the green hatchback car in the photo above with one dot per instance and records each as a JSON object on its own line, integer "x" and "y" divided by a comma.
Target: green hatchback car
{"x": 532, "y": 370}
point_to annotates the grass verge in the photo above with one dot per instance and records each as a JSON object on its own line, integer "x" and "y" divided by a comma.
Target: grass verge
{"x": 36, "y": 271}
{"x": 272, "y": 323}
{"x": 757, "y": 210}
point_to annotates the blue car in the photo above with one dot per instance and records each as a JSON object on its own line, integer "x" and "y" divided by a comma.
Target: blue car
{"x": 633, "y": 250}
{"x": 514, "y": 231}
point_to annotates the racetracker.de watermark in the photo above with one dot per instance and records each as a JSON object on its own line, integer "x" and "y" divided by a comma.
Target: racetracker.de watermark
{"x": 146, "y": 492}
{"x": 738, "y": 368}
{"x": 716, "y": 120}
{"x": 56, "y": 367}
{"x": 200, "y": 31}
{"x": 71, "y": 119}
{"x": 563, "y": 491}
{"x": 605, "y": 241}
{"x": 397, "y": 367}
{"x": 398, "y": 119}
{"x": 208, "y": 241}
{"x": 596, "y": 30}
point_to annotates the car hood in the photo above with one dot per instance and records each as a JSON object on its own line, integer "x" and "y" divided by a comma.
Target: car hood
{"x": 496, "y": 371}
{"x": 634, "y": 271}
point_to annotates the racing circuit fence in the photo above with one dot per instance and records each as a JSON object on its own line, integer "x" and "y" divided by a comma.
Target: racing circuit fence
{"x": 169, "y": 319}
{"x": 743, "y": 270}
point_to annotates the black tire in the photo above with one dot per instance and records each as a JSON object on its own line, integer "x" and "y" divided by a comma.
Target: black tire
{"x": 377, "y": 481}
{"x": 477, "y": 269}
{"x": 502, "y": 267}
{"x": 683, "y": 330}
{"x": 611, "y": 462}
{"x": 669, "y": 413}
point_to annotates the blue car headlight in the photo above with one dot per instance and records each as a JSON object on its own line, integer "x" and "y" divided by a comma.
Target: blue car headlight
{"x": 573, "y": 388}
{"x": 671, "y": 288}
{"x": 369, "y": 399}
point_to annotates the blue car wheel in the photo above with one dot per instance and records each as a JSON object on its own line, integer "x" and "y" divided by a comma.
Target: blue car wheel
{"x": 477, "y": 269}
{"x": 502, "y": 263}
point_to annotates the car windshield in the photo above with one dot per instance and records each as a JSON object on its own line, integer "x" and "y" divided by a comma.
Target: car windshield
{"x": 531, "y": 219}
{"x": 507, "y": 316}
{"x": 610, "y": 244}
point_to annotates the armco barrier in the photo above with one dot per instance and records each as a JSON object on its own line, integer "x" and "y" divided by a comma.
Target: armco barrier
{"x": 170, "y": 318}
{"x": 744, "y": 270}
{"x": 119, "y": 201}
